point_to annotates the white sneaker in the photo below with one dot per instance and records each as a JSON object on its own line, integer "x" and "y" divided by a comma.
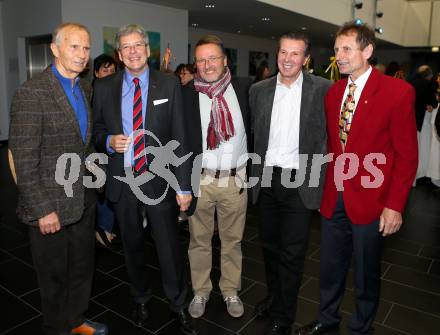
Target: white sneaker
{"x": 197, "y": 306}
{"x": 234, "y": 306}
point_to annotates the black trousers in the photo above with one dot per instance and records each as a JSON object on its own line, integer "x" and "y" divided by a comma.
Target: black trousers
{"x": 64, "y": 263}
{"x": 340, "y": 239}
{"x": 164, "y": 224}
{"x": 284, "y": 233}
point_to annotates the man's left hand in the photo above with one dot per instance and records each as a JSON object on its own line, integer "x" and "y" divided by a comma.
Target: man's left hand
{"x": 390, "y": 221}
{"x": 183, "y": 200}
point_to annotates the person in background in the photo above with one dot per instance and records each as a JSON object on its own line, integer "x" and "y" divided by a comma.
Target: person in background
{"x": 103, "y": 66}
{"x": 263, "y": 72}
{"x": 185, "y": 72}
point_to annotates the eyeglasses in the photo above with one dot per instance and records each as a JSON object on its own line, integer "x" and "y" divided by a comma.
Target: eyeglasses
{"x": 209, "y": 60}
{"x": 138, "y": 46}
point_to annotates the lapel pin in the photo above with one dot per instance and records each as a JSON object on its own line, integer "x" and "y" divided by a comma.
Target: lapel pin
{"x": 366, "y": 101}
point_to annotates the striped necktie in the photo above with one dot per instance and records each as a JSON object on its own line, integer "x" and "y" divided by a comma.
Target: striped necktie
{"x": 138, "y": 130}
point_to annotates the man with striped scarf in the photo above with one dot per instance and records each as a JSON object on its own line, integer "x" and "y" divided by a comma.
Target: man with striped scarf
{"x": 216, "y": 107}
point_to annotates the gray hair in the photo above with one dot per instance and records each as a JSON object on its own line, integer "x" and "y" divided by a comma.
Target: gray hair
{"x": 130, "y": 29}
{"x": 58, "y": 33}
{"x": 425, "y": 71}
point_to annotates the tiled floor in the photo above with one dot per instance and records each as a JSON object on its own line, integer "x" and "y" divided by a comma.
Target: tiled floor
{"x": 410, "y": 301}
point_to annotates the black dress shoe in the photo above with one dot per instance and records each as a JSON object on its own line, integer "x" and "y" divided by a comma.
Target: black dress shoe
{"x": 262, "y": 309}
{"x": 139, "y": 314}
{"x": 277, "y": 329}
{"x": 316, "y": 328}
{"x": 186, "y": 323}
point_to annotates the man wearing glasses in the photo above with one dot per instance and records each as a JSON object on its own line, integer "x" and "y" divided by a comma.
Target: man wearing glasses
{"x": 216, "y": 106}
{"x": 141, "y": 101}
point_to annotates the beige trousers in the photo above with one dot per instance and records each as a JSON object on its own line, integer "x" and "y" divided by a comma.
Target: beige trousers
{"x": 229, "y": 198}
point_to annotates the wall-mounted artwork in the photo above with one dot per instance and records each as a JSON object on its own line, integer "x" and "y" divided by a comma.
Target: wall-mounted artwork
{"x": 255, "y": 59}
{"x": 232, "y": 60}
{"x": 109, "y": 34}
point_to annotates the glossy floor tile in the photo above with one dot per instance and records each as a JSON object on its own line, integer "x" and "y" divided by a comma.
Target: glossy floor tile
{"x": 409, "y": 305}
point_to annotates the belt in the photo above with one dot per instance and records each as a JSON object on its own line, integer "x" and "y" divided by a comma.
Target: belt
{"x": 220, "y": 173}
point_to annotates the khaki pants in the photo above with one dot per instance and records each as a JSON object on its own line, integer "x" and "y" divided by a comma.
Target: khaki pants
{"x": 227, "y": 196}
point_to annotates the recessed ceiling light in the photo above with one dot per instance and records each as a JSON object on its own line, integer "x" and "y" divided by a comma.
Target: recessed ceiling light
{"x": 303, "y": 28}
{"x": 435, "y": 49}
{"x": 195, "y": 24}
{"x": 238, "y": 31}
{"x": 265, "y": 19}
{"x": 210, "y": 5}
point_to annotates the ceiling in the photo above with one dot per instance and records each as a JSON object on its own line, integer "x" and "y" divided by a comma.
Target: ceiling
{"x": 245, "y": 17}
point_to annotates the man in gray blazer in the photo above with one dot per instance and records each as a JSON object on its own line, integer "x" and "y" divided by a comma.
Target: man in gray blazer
{"x": 51, "y": 116}
{"x": 288, "y": 122}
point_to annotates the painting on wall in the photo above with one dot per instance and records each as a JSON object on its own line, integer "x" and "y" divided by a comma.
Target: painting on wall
{"x": 255, "y": 59}
{"x": 231, "y": 54}
{"x": 109, "y": 34}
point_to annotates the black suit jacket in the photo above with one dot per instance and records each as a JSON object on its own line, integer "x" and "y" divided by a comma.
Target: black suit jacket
{"x": 425, "y": 95}
{"x": 165, "y": 121}
{"x": 192, "y": 114}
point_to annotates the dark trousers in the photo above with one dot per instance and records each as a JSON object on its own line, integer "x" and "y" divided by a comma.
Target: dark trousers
{"x": 64, "y": 263}
{"x": 284, "y": 234}
{"x": 162, "y": 219}
{"x": 340, "y": 239}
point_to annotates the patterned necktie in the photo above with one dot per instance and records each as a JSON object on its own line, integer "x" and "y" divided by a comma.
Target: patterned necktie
{"x": 347, "y": 115}
{"x": 138, "y": 133}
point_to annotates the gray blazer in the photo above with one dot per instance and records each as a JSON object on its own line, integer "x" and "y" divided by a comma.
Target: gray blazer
{"x": 43, "y": 127}
{"x": 312, "y": 134}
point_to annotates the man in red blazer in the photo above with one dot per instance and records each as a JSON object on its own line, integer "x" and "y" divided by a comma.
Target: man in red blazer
{"x": 371, "y": 123}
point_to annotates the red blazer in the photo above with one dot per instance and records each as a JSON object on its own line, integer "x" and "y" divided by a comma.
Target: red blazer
{"x": 384, "y": 122}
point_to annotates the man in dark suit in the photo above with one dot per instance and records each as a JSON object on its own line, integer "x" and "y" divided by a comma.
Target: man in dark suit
{"x": 216, "y": 107}
{"x": 370, "y": 118}
{"x": 288, "y": 123}
{"x": 425, "y": 88}
{"x": 51, "y": 116}
{"x": 139, "y": 100}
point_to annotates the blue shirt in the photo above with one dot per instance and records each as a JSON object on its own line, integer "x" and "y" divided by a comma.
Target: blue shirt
{"x": 127, "y": 109}
{"x": 76, "y": 99}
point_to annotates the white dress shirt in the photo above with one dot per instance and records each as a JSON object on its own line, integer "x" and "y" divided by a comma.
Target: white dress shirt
{"x": 283, "y": 147}
{"x": 230, "y": 154}
{"x": 360, "y": 84}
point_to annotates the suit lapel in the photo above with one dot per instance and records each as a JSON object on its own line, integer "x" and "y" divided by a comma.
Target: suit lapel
{"x": 334, "y": 114}
{"x": 87, "y": 100}
{"x": 153, "y": 89}
{"x": 61, "y": 98}
{"x": 360, "y": 118}
{"x": 117, "y": 93}
{"x": 307, "y": 93}
{"x": 266, "y": 111}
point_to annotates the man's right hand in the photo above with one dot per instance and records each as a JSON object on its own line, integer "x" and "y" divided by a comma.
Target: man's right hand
{"x": 49, "y": 224}
{"x": 119, "y": 143}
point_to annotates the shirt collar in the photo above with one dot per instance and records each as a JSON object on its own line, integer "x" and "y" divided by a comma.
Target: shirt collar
{"x": 143, "y": 77}
{"x": 297, "y": 83}
{"x": 65, "y": 81}
{"x": 361, "y": 80}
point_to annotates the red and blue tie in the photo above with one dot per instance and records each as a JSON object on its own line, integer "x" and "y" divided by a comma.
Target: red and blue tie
{"x": 138, "y": 133}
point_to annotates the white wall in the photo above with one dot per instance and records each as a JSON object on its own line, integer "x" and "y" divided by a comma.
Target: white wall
{"x": 243, "y": 44}
{"x": 435, "y": 29}
{"x": 20, "y": 19}
{"x": 95, "y": 14}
